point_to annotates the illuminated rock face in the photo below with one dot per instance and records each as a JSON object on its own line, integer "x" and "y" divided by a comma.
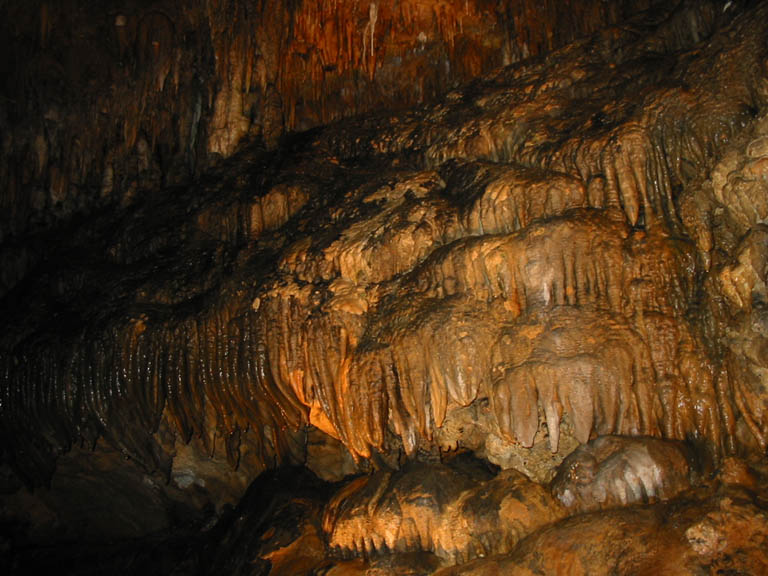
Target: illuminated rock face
{"x": 569, "y": 252}
{"x": 104, "y": 101}
{"x": 456, "y": 515}
{"x": 613, "y": 471}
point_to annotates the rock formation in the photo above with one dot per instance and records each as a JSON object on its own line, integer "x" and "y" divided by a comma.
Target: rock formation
{"x": 435, "y": 508}
{"x": 613, "y": 471}
{"x": 566, "y": 255}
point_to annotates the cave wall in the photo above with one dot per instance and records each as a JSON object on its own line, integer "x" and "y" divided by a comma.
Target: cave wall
{"x": 102, "y": 100}
{"x": 570, "y": 247}
{"x": 492, "y": 225}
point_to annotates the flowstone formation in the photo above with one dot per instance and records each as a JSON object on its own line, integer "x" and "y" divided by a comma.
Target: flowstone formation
{"x": 567, "y": 254}
{"x": 455, "y": 514}
{"x": 102, "y": 101}
{"x": 613, "y": 471}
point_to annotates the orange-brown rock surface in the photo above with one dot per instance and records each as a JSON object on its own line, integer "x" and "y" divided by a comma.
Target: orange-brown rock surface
{"x": 103, "y": 101}
{"x": 726, "y": 533}
{"x": 569, "y": 251}
{"x": 550, "y": 276}
{"x": 507, "y": 523}
{"x": 457, "y": 515}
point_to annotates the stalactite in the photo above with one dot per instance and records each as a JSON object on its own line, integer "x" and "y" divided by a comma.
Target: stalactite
{"x": 511, "y": 198}
{"x": 550, "y": 264}
{"x": 275, "y": 45}
{"x": 532, "y": 244}
{"x": 603, "y": 388}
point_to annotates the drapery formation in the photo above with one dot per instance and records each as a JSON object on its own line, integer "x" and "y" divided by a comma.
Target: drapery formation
{"x": 570, "y": 247}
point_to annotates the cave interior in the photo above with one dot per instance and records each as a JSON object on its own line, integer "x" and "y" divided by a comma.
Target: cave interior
{"x": 384, "y": 287}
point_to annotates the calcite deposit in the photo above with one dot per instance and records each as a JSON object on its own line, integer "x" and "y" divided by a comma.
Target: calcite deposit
{"x": 613, "y": 471}
{"x": 540, "y": 245}
{"x": 455, "y": 514}
{"x": 104, "y": 101}
{"x": 724, "y": 534}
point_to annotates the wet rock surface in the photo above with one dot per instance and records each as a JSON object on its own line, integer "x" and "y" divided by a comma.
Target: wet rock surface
{"x": 613, "y": 471}
{"x": 567, "y": 254}
{"x": 726, "y": 532}
{"x": 455, "y": 514}
{"x": 105, "y": 101}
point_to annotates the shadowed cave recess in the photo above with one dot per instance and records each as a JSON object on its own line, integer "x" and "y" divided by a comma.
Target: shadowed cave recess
{"x": 394, "y": 287}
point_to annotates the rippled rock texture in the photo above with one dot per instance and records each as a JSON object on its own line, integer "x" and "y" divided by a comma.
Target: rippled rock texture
{"x": 103, "y": 101}
{"x": 455, "y": 514}
{"x": 570, "y": 251}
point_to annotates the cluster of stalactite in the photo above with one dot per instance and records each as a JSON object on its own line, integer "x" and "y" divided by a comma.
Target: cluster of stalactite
{"x": 105, "y": 100}
{"x": 529, "y": 247}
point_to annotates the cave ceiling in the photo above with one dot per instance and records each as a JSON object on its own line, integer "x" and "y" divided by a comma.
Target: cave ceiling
{"x": 377, "y": 238}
